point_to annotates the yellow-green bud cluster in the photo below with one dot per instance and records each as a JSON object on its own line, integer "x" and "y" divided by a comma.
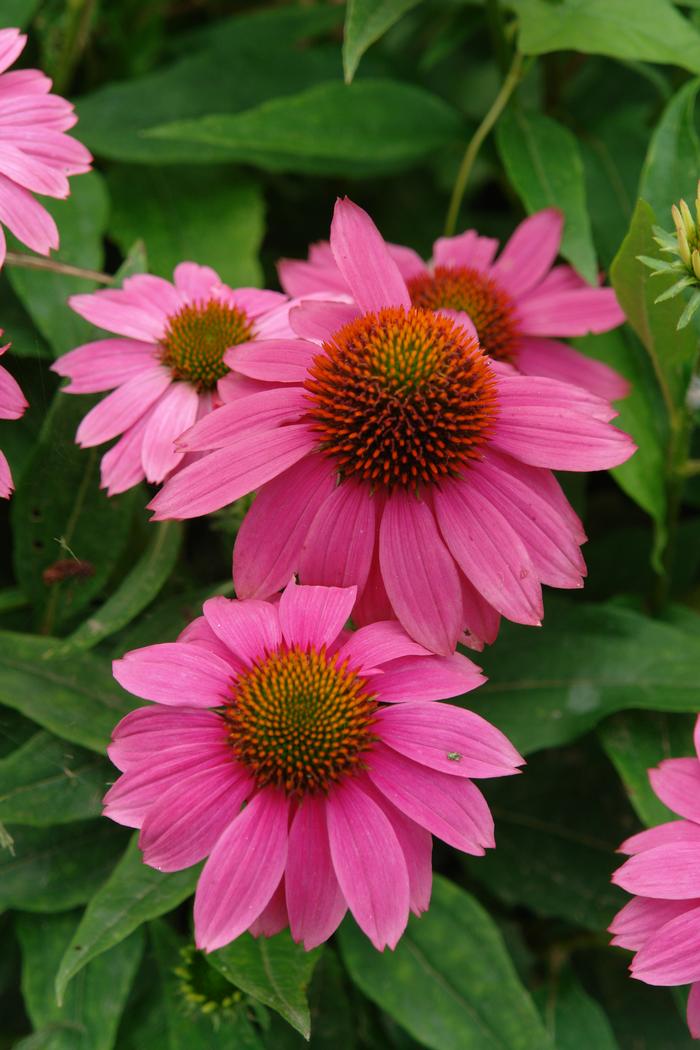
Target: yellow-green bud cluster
{"x": 203, "y": 989}
{"x": 684, "y": 252}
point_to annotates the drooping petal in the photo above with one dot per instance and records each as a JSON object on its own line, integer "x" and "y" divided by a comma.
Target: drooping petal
{"x": 481, "y": 620}
{"x": 6, "y": 482}
{"x": 315, "y": 903}
{"x": 26, "y": 218}
{"x": 661, "y": 835}
{"x": 671, "y": 955}
{"x": 314, "y": 616}
{"x": 174, "y": 673}
{"x": 547, "y": 357}
{"x": 195, "y": 282}
{"x": 131, "y": 798}
{"x": 417, "y": 847}
{"x": 693, "y": 1010}
{"x": 263, "y": 411}
{"x": 104, "y": 364}
{"x": 273, "y": 918}
{"x": 643, "y": 916}
{"x": 364, "y": 261}
{"x": 147, "y": 731}
{"x": 466, "y": 249}
{"x": 530, "y": 252}
{"x": 121, "y": 467}
{"x": 123, "y": 407}
{"x": 677, "y": 783}
{"x": 569, "y": 313}
{"x": 371, "y": 646}
{"x": 273, "y": 360}
{"x": 415, "y": 678}
{"x": 318, "y": 320}
{"x": 670, "y": 872}
{"x": 175, "y": 412}
{"x": 250, "y": 629}
{"x": 339, "y": 545}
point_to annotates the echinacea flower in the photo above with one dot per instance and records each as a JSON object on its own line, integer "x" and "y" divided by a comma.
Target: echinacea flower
{"x": 36, "y": 156}
{"x": 310, "y": 765}
{"x": 12, "y": 406}
{"x": 662, "y": 922}
{"x": 390, "y": 452}
{"x": 167, "y": 365}
{"x": 520, "y": 303}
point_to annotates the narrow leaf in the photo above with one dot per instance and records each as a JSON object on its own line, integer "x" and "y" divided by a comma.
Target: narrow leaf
{"x": 365, "y": 22}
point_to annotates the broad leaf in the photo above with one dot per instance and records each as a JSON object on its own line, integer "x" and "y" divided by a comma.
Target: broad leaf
{"x": 133, "y": 894}
{"x": 575, "y": 1020}
{"x": 18, "y": 12}
{"x": 274, "y": 970}
{"x": 94, "y": 1006}
{"x": 208, "y": 215}
{"x": 450, "y": 981}
{"x": 365, "y": 22}
{"x": 672, "y": 164}
{"x": 543, "y": 162}
{"x": 48, "y": 781}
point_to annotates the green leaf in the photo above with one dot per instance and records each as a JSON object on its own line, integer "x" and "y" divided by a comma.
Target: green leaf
{"x": 60, "y": 516}
{"x": 365, "y": 22}
{"x": 75, "y": 697}
{"x": 18, "y": 327}
{"x": 274, "y": 970}
{"x": 47, "y": 781}
{"x": 94, "y": 1006}
{"x": 555, "y": 850}
{"x": 651, "y": 30}
{"x": 543, "y": 162}
{"x": 450, "y": 981}
{"x": 575, "y": 1020}
{"x": 133, "y": 894}
{"x": 213, "y": 216}
{"x": 550, "y": 685}
{"x": 81, "y": 221}
{"x": 673, "y": 353}
{"x": 240, "y": 62}
{"x": 137, "y": 590}
{"x": 334, "y": 1018}
{"x": 366, "y": 128}
{"x": 635, "y": 742}
{"x": 672, "y": 163}
{"x": 51, "y": 869}
{"x": 18, "y": 12}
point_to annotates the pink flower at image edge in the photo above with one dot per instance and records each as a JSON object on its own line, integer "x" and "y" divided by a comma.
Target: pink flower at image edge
{"x": 12, "y": 405}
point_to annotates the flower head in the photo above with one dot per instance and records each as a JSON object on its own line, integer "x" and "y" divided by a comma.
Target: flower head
{"x": 310, "y": 764}
{"x": 167, "y": 365}
{"x": 662, "y": 922}
{"x": 519, "y": 303}
{"x": 685, "y": 246}
{"x": 36, "y": 156}
{"x": 392, "y": 453}
{"x": 12, "y": 405}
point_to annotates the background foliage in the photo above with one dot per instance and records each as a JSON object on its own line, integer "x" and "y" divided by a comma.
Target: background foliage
{"x": 223, "y": 133}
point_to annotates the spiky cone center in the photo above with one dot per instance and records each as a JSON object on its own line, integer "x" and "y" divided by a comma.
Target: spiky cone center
{"x": 491, "y": 310}
{"x": 198, "y": 336}
{"x": 401, "y": 399}
{"x": 300, "y": 721}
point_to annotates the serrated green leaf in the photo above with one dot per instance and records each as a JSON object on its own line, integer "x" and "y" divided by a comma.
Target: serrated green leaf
{"x": 368, "y": 127}
{"x": 450, "y": 981}
{"x": 133, "y": 894}
{"x": 672, "y": 163}
{"x": 48, "y": 781}
{"x": 543, "y": 162}
{"x": 94, "y": 1007}
{"x": 274, "y": 970}
{"x": 365, "y": 22}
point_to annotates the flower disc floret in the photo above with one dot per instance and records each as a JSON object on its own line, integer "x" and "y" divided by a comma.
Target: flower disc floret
{"x": 300, "y": 721}
{"x": 491, "y": 309}
{"x": 401, "y": 398}
{"x": 198, "y": 336}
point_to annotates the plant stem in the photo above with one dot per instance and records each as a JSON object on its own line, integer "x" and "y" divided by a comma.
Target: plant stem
{"x": 677, "y": 470}
{"x": 475, "y": 143}
{"x": 501, "y": 48}
{"x": 76, "y": 40}
{"x": 36, "y": 262}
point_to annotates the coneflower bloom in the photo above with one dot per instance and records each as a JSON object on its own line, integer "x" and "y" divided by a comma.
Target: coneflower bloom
{"x": 36, "y": 156}
{"x": 391, "y": 453}
{"x": 12, "y": 406}
{"x": 311, "y": 765}
{"x": 662, "y": 923}
{"x": 521, "y": 304}
{"x": 165, "y": 368}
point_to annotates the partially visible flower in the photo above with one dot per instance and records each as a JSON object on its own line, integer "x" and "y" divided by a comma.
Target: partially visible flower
{"x": 311, "y": 766}
{"x": 36, "y": 156}
{"x": 519, "y": 303}
{"x": 685, "y": 246}
{"x": 391, "y": 453}
{"x": 12, "y": 405}
{"x": 167, "y": 364}
{"x": 662, "y": 923}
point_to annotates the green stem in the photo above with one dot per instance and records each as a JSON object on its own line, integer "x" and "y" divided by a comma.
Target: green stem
{"x": 36, "y": 262}
{"x": 678, "y": 468}
{"x": 75, "y": 43}
{"x": 470, "y": 154}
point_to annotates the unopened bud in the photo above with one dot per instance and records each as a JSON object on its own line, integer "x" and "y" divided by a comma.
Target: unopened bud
{"x": 687, "y": 221}
{"x": 683, "y": 246}
{"x": 677, "y": 217}
{"x": 695, "y": 262}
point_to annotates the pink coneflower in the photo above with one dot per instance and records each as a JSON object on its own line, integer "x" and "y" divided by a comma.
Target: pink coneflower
{"x": 12, "y": 406}
{"x": 333, "y": 743}
{"x": 167, "y": 364}
{"x": 36, "y": 156}
{"x": 662, "y": 923}
{"x": 393, "y": 454}
{"x": 519, "y": 303}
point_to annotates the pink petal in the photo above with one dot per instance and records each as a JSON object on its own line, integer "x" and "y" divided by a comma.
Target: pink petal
{"x": 12, "y": 401}
{"x": 363, "y": 259}
{"x": 662, "y": 835}
{"x": 250, "y": 628}
{"x": 26, "y": 218}
{"x": 31, "y": 173}
{"x": 643, "y": 916}
{"x": 229, "y": 473}
{"x": 530, "y": 252}
{"x": 677, "y": 783}
{"x": 409, "y": 262}
{"x": 421, "y": 678}
{"x": 314, "y": 616}
{"x": 481, "y": 621}
{"x": 449, "y": 807}
{"x": 174, "y": 413}
{"x": 232, "y": 387}
{"x": 467, "y": 249}
{"x": 263, "y": 411}
{"x": 417, "y": 847}
{"x": 315, "y": 903}
{"x": 12, "y": 44}
{"x": 693, "y": 1011}
{"x": 254, "y": 301}
{"x": 340, "y": 542}
{"x": 670, "y": 872}
{"x": 373, "y": 604}
{"x": 112, "y": 310}
{"x": 671, "y": 955}
{"x": 369, "y": 864}
{"x": 104, "y": 364}
{"x": 121, "y": 467}
{"x": 243, "y": 871}
{"x": 546, "y": 357}
{"x": 175, "y": 673}
{"x": 519, "y": 394}
{"x": 131, "y": 798}
{"x": 318, "y": 321}
{"x": 376, "y": 643}
{"x": 199, "y": 632}
{"x": 489, "y": 551}
{"x": 273, "y": 918}
{"x": 273, "y": 360}
{"x": 569, "y": 313}
{"x": 419, "y": 574}
{"x": 145, "y": 733}
{"x": 195, "y": 282}
{"x": 123, "y": 407}
{"x": 320, "y": 274}
{"x": 264, "y": 555}
{"x": 448, "y": 738}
